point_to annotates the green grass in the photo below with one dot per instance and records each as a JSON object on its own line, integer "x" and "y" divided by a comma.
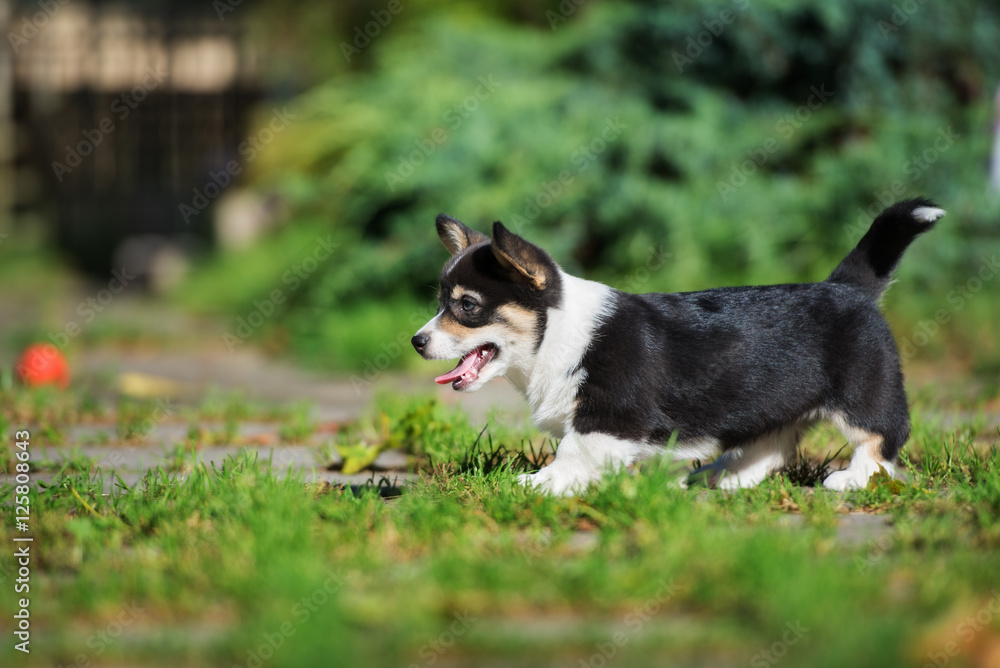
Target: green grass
{"x": 468, "y": 568}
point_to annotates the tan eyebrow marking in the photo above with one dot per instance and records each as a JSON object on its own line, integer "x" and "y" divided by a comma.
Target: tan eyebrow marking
{"x": 460, "y": 291}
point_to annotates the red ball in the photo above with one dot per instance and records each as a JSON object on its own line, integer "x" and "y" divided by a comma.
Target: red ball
{"x": 41, "y": 364}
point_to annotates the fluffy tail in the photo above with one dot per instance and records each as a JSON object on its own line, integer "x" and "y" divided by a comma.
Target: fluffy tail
{"x": 870, "y": 265}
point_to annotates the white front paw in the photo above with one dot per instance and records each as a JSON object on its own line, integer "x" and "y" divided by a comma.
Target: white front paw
{"x": 844, "y": 480}
{"x": 553, "y": 480}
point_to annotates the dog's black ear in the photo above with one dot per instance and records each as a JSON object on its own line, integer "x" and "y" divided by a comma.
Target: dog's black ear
{"x": 456, "y": 236}
{"x": 526, "y": 260}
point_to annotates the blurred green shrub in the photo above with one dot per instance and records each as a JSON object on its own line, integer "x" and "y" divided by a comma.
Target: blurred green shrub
{"x": 655, "y": 146}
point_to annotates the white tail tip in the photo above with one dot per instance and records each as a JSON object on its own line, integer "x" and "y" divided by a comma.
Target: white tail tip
{"x": 927, "y": 214}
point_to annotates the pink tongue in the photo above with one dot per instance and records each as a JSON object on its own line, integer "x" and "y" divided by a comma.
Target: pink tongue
{"x": 463, "y": 367}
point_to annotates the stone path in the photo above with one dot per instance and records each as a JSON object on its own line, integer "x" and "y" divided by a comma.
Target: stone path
{"x": 190, "y": 374}
{"x": 313, "y": 463}
{"x": 89, "y": 447}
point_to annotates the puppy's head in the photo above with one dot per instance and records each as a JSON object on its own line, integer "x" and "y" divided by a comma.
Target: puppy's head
{"x": 494, "y": 297}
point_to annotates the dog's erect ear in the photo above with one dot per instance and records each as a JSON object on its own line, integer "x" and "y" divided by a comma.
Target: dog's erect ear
{"x": 526, "y": 260}
{"x": 456, "y": 236}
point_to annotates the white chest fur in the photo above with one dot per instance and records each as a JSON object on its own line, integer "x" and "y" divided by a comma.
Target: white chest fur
{"x": 551, "y": 384}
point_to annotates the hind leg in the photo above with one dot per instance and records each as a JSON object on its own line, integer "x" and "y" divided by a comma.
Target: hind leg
{"x": 748, "y": 465}
{"x": 871, "y": 450}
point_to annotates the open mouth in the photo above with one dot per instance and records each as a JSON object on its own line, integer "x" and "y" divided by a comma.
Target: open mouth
{"x": 469, "y": 367}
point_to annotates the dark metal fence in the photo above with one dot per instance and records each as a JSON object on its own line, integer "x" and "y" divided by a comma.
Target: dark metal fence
{"x": 118, "y": 115}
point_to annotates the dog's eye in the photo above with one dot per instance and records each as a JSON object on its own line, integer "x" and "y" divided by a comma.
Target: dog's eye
{"x": 468, "y": 306}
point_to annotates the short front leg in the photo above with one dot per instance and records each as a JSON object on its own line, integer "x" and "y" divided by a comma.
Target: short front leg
{"x": 582, "y": 459}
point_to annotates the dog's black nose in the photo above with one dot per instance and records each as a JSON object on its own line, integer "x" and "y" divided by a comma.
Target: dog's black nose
{"x": 419, "y": 341}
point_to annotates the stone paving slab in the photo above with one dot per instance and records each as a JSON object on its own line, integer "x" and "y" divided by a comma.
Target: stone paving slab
{"x": 854, "y": 528}
{"x": 862, "y": 528}
{"x": 284, "y": 457}
{"x": 169, "y": 434}
{"x": 135, "y": 458}
{"x": 396, "y": 481}
{"x": 131, "y": 462}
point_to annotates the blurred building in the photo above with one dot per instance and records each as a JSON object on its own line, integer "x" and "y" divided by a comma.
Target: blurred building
{"x": 113, "y": 113}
